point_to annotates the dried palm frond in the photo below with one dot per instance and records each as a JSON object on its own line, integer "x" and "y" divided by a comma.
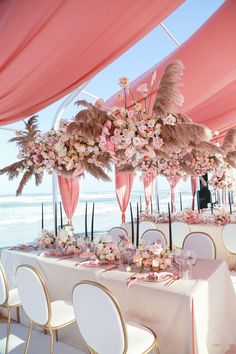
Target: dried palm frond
{"x": 126, "y": 168}
{"x": 38, "y": 179}
{"x": 168, "y": 95}
{"x": 209, "y": 147}
{"x": 231, "y": 159}
{"x": 13, "y": 170}
{"x": 26, "y": 177}
{"x": 229, "y": 140}
{"x": 97, "y": 172}
{"x": 28, "y": 134}
{"x": 88, "y": 122}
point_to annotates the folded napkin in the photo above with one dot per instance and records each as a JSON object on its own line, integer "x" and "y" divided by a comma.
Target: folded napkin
{"x": 24, "y": 247}
{"x": 57, "y": 254}
{"x": 149, "y": 277}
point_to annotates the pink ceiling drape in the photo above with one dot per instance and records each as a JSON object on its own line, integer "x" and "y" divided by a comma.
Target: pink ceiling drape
{"x": 194, "y": 190}
{"x": 149, "y": 187}
{"x": 50, "y": 47}
{"x": 123, "y": 184}
{"x": 69, "y": 188}
{"x": 209, "y": 56}
{"x": 173, "y": 181}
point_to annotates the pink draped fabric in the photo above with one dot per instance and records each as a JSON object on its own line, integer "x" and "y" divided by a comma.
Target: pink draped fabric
{"x": 50, "y": 47}
{"x": 124, "y": 183}
{"x": 173, "y": 184}
{"x": 194, "y": 189}
{"x": 209, "y": 82}
{"x": 149, "y": 187}
{"x": 69, "y": 188}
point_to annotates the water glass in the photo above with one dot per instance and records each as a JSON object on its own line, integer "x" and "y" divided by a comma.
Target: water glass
{"x": 191, "y": 258}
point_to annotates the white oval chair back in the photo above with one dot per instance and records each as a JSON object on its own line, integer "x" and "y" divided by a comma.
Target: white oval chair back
{"x": 93, "y": 302}
{"x": 116, "y": 234}
{"x": 229, "y": 237}
{"x": 201, "y": 243}
{"x": 33, "y": 295}
{"x": 144, "y": 226}
{"x": 154, "y": 235}
{"x": 3, "y": 287}
{"x": 179, "y": 231}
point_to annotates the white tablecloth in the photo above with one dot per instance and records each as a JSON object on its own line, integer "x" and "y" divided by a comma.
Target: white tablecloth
{"x": 191, "y": 316}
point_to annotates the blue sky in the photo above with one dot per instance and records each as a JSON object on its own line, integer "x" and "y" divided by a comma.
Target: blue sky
{"x": 139, "y": 58}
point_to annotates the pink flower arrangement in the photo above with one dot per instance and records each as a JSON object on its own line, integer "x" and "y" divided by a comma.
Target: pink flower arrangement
{"x": 107, "y": 251}
{"x": 46, "y": 240}
{"x": 222, "y": 218}
{"x": 68, "y": 243}
{"x": 153, "y": 257}
{"x": 222, "y": 179}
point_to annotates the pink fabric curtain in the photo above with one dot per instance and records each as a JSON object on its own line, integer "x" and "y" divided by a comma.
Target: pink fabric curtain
{"x": 173, "y": 184}
{"x": 124, "y": 183}
{"x": 209, "y": 82}
{"x": 194, "y": 189}
{"x": 149, "y": 187}
{"x": 69, "y": 188}
{"x": 50, "y": 47}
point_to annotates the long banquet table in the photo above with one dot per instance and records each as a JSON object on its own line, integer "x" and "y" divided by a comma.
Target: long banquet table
{"x": 194, "y": 316}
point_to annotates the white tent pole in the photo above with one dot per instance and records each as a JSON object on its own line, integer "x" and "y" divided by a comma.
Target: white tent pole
{"x": 170, "y": 34}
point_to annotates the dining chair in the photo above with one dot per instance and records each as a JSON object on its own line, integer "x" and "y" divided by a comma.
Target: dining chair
{"x": 9, "y": 299}
{"x": 201, "y": 243}
{"x": 102, "y": 323}
{"x": 153, "y": 235}
{"x": 179, "y": 231}
{"x": 229, "y": 239}
{"x": 116, "y": 234}
{"x": 36, "y": 303}
{"x": 146, "y": 225}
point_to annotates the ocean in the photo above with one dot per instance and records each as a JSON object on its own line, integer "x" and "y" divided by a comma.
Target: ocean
{"x": 20, "y": 217}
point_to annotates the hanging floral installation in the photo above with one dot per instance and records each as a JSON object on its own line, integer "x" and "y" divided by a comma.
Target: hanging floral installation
{"x": 135, "y": 135}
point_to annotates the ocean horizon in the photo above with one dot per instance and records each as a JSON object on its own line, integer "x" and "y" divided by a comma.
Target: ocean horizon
{"x": 20, "y": 217}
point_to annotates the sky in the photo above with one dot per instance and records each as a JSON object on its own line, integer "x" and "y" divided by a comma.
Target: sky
{"x": 151, "y": 49}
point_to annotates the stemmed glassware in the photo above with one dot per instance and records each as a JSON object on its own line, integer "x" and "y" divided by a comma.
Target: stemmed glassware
{"x": 179, "y": 258}
{"x": 190, "y": 260}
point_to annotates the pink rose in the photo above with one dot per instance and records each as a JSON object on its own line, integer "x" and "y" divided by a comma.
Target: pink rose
{"x": 124, "y": 81}
{"x": 119, "y": 96}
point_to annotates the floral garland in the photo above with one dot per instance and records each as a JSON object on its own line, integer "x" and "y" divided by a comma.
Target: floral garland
{"x": 222, "y": 179}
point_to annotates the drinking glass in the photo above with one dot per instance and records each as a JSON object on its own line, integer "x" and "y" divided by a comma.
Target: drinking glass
{"x": 179, "y": 258}
{"x": 190, "y": 260}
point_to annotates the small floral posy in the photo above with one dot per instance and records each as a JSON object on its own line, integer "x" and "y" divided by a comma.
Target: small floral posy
{"x": 107, "y": 251}
{"x": 46, "y": 240}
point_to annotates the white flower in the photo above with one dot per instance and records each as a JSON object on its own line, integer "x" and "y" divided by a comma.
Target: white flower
{"x": 169, "y": 120}
{"x": 136, "y": 141}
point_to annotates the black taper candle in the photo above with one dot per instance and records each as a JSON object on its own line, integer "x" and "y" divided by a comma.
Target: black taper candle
{"x": 137, "y": 230}
{"x": 86, "y": 220}
{"x": 132, "y": 223}
{"x": 42, "y": 218}
{"x": 211, "y": 203}
{"x": 92, "y": 223}
{"x": 158, "y": 204}
{"x": 232, "y": 197}
{"x": 61, "y": 215}
{"x": 56, "y": 219}
{"x": 170, "y": 228}
{"x": 180, "y": 201}
{"x": 141, "y": 207}
{"x": 230, "y": 205}
{"x": 151, "y": 205}
{"x": 198, "y": 203}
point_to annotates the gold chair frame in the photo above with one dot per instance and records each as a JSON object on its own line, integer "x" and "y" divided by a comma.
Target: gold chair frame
{"x": 122, "y": 319}
{"x": 8, "y": 308}
{"x": 46, "y": 327}
{"x": 229, "y": 253}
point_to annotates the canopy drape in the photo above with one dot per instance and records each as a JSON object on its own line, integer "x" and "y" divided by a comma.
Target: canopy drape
{"x": 69, "y": 188}
{"x": 209, "y": 81}
{"x": 149, "y": 187}
{"x": 50, "y": 47}
{"x": 123, "y": 184}
{"x": 173, "y": 181}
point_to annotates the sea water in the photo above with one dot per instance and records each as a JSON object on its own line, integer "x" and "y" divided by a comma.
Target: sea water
{"x": 20, "y": 217}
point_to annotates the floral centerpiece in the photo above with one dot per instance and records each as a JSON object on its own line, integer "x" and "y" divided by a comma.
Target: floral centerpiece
{"x": 46, "y": 240}
{"x": 68, "y": 243}
{"x": 107, "y": 251}
{"x": 153, "y": 257}
{"x": 223, "y": 217}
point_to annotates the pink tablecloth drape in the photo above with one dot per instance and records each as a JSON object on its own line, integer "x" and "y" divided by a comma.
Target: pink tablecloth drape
{"x": 69, "y": 188}
{"x": 149, "y": 187}
{"x": 124, "y": 183}
{"x": 50, "y": 47}
{"x": 173, "y": 184}
{"x": 194, "y": 189}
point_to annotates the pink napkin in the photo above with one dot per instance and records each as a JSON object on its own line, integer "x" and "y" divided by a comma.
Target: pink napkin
{"x": 149, "y": 277}
{"x": 24, "y": 247}
{"x": 57, "y": 254}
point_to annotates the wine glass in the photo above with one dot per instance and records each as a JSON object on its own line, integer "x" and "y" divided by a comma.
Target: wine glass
{"x": 191, "y": 258}
{"x": 179, "y": 258}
